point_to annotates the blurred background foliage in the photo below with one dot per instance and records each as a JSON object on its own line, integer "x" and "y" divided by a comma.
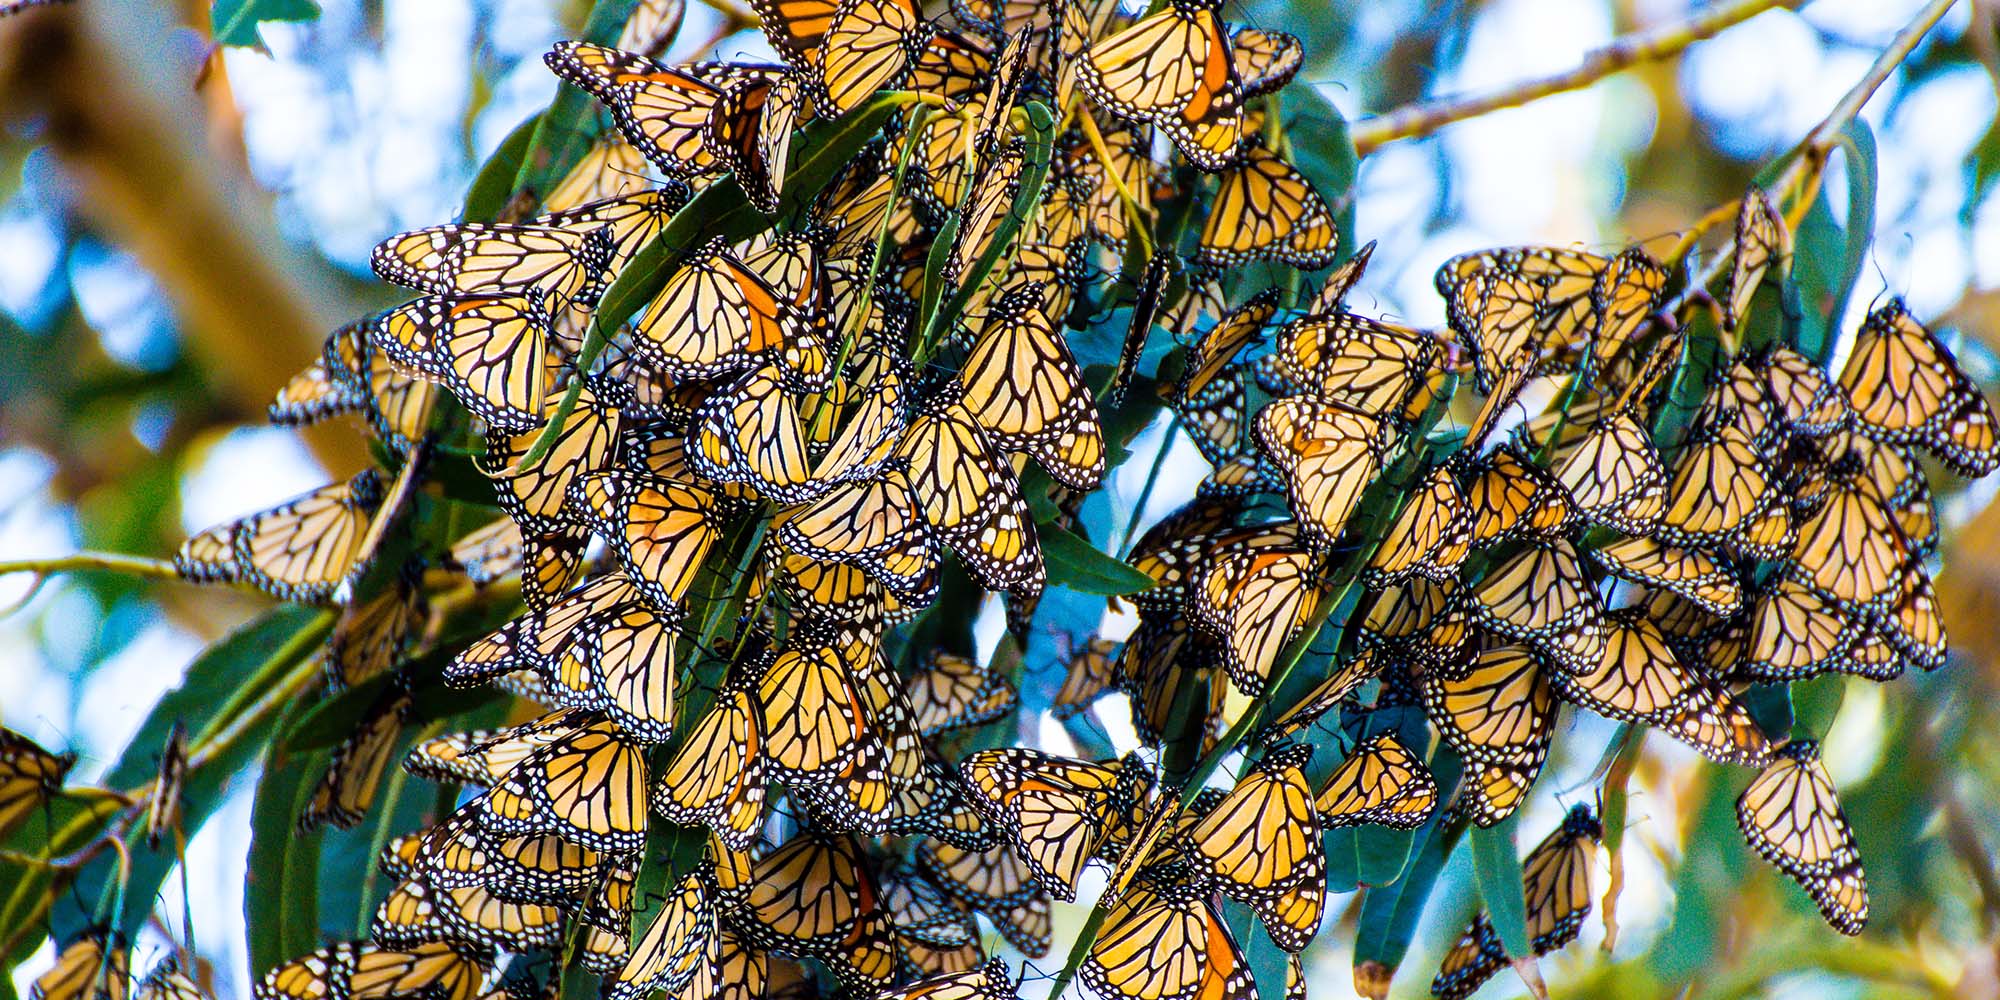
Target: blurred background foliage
{"x": 181, "y": 222}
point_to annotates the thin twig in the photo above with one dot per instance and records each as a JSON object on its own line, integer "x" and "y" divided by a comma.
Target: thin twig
{"x": 112, "y": 562}
{"x": 1802, "y": 178}
{"x": 1627, "y": 51}
{"x": 1804, "y": 174}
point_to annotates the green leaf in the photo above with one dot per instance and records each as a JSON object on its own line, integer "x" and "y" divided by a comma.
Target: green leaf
{"x": 494, "y": 186}
{"x": 235, "y": 22}
{"x": 821, "y": 149}
{"x": 281, "y": 878}
{"x": 1267, "y": 961}
{"x": 1034, "y": 171}
{"x": 1389, "y": 914}
{"x": 1496, "y": 869}
{"x": 1078, "y": 565}
{"x": 221, "y": 687}
{"x": 1827, "y": 257}
{"x": 1706, "y": 884}
{"x": 564, "y": 133}
{"x": 1323, "y": 151}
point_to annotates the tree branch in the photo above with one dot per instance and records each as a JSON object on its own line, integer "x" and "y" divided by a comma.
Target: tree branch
{"x": 1624, "y": 52}
{"x": 132, "y": 137}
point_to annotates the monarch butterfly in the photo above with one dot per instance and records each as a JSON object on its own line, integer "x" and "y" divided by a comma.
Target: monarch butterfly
{"x": 94, "y": 965}
{"x": 29, "y": 776}
{"x": 587, "y": 785}
{"x": 663, "y": 112}
{"x": 990, "y": 981}
{"x": 1164, "y": 941}
{"x": 971, "y": 498}
{"x": 1023, "y": 386}
{"x": 1720, "y": 486}
{"x": 1641, "y": 679}
{"x": 676, "y": 943}
{"x": 875, "y": 524}
{"x": 1327, "y": 455}
{"x": 1795, "y": 632}
{"x": 1174, "y": 69}
{"x": 749, "y": 432}
{"x": 1556, "y": 879}
{"x": 312, "y": 395}
{"x": 889, "y": 786}
{"x": 1105, "y": 215}
{"x": 1216, "y": 417}
{"x": 1374, "y": 367}
{"x": 491, "y": 353}
{"x": 1851, "y": 548}
{"x": 551, "y": 266}
{"x": 1421, "y": 619}
{"x": 1237, "y": 329}
{"x": 363, "y": 971}
{"x": 1380, "y": 782}
{"x": 1542, "y": 596}
{"x": 371, "y": 637}
{"x": 986, "y": 207}
{"x": 717, "y": 776}
{"x": 1614, "y": 475}
{"x": 849, "y": 50}
{"x": 807, "y": 897}
{"x": 1519, "y": 303}
{"x": 622, "y": 662}
{"x": 1091, "y": 672}
{"x": 1687, "y": 572}
{"x": 660, "y": 530}
{"x": 457, "y": 853}
{"x": 1430, "y": 536}
{"x": 995, "y": 882}
{"x": 347, "y": 789}
{"x": 1050, "y": 808}
{"x": 168, "y": 982}
{"x": 1264, "y": 60}
{"x": 536, "y": 639}
{"x": 951, "y": 692}
{"x": 1623, "y": 299}
{"x": 533, "y": 496}
{"x": 301, "y": 550}
{"x": 1906, "y": 387}
{"x": 396, "y": 405}
{"x": 1264, "y": 209}
{"x": 1762, "y": 241}
{"x": 1263, "y": 838}
{"x": 1499, "y": 717}
{"x": 414, "y": 913}
{"x": 750, "y": 130}
{"x": 1512, "y": 497}
{"x": 1323, "y": 698}
{"x": 1791, "y": 816}
{"x": 718, "y": 315}
{"x": 1256, "y": 601}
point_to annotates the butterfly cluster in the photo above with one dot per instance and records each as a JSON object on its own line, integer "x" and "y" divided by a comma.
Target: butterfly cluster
{"x": 750, "y": 513}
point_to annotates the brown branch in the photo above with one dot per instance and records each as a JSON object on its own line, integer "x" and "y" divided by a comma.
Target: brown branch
{"x": 1624, "y": 52}
{"x": 136, "y": 146}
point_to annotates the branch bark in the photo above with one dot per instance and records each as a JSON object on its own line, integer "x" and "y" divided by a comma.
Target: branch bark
{"x": 131, "y": 135}
{"x": 1624, "y": 52}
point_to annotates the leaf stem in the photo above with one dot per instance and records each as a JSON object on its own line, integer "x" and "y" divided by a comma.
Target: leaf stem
{"x": 1650, "y": 45}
